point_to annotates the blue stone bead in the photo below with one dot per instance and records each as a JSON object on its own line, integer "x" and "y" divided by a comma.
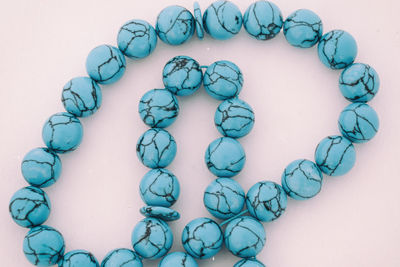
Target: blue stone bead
{"x": 159, "y": 187}
{"x": 29, "y": 206}
{"x": 156, "y": 148}
{"x": 175, "y": 25}
{"x": 359, "y": 82}
{"x": 222, "y": 20}
{"x": 202, "y": 238}
{"x": 152, "y": 238}
{"x": 303, "y": 28}
{"x": 234, "y": 118}
{"x": 43, "y": 246}
{"x": 121, "y": 257}
{"x": 62, "y": 132}
{"x": 182, "y": 75}
{"x": 224, "y": 198}
{"x": 335, "y": 155}
{"x": 178, "y": 259}
{"x": 198, "y": 20}
{"x": 244, "y": 237}
{"x": 337, "y": 49}
{"x": 263, "y": 20}
{"x": 302, "y": 179}
{"x": 81, "y": 96}
{"x": 225, "y": 157}
{"x": 266, "y": 201}
{"x": 41, "y": 167}
{"x": 249, "y": 263}
{"x": 78, "y": 258}
{"x": 137, "y": 39}
{"x": 163, "y": 213}
{"x": 105, "y": 64}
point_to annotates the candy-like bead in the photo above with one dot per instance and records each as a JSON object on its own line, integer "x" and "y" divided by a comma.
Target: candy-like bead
{"x": 249, "y": 263}
{"x": 198, "y": 19}
{"x": 266, "y": 201}
{"x": 121, "y": 257}
{"x": 178, "y": 259}
{"x": 335, "y": 155}
{"x": 81, "y": 258}
{"x": 163, "y": 213}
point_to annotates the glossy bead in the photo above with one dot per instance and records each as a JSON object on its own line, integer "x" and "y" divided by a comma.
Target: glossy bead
{"x": 335, "y": 155}
{"x": 337, "y": 49}
{"x": 163, "y": 213}
{"x": 249, "y": 263}
{"x": 225, "y": 157}
{"x": 234, "y": 118}
{"x": 202, "y": 238}
{"x": 266, "y": 201}
{"x": 29, "y": 206}
{"x": 222, "y": 20}
{"x": 105, "y": 64}
{"x": 224, "y": 198}
{"x": 263, "y": 20}
{"x": 198, "y": 19}
{"x": 158, "y": 108}
{"x": 223, "y": 80}
{"x": 41, "y": 167}
{"x": 121, "y": 257}
{"x": 359, "y": 82}
{"x": 302, "y": 179}
{"x": 156, "y": 148}
{"x": 78, "y": 258}
{"x": 62, "y": 132}
{"x": 178, "y": 259}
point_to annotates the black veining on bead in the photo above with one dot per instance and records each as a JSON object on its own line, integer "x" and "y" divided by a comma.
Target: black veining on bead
{"x": 218, "y": 10}
{"x": 145, "y": 239}
{"x": 79, "y": 103}
{"x": 147, "y": 108}
{"x": 69, "y": 260}
{"x": 227, "y": 116}
{"x": 71, "y": 120}
{"x": 140, "y": 30}
{"x": 332, "y": 38}
{"x": 367, "y": 78}
{"x": 134, "y": 258}
{"x": 185, "y": 25}
{"x": 168, "y": 192}
{"x": 333, "y": 141}
{"x": 117, "y": 57}
{"x": 177, "y": 64}
{"x": 316, "y": 27}
{"x": 162, "y": 213}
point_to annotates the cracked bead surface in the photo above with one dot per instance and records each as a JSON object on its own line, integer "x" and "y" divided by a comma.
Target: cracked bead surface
{"x": 178, "y": 259}
{"x": 163, "y": 213}
{"x": 78, "y": 258}
{"x": 198, "y": 19}
{"x": 121, "y": 257}
{"x": 249, "y": 263}
{"x": 335, "y": 155}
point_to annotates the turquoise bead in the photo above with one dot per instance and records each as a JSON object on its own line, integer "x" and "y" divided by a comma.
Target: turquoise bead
{"x": 244, "y": 237}
{"x": 178, "y": 259}
{"x": 158, "y": 108}
{"x": 202, "y": 238}
{"x": 163, "y": 213}
{"x": 43, "y": 246}
{"x": 225, "y": 157}
{"x": 303, "y": 28}
{"x": 175, "y": 25}
{"x": 249, "y": 263}
{"x": 198, "y": 20}
{"x": 263, "y": 20}
{"x": 81, "y": 96}
{"x": 223, "y": 80}
{"x": 337, "y": 49}
{"x": 156, "y": 148}
{"x": 302, "y": 179}
{"x": 222, "y": 20}
{"x": 234, "y": 118}
{"x": 359, "y": 82}
{"x": 41, "y": 167}
{"x": 121, "y": 257}
{"x": 152, "y": 238}
{"x": 335, "y": 155}
{"x": 62, "y": 132}
{"x": 266, "y": 201}
{"x": 105, "y": 64}
{"x": 224, "y": 198}
{"x": 29, "y": 206}
{"x": 358, "y": 122}
{"x": 78, "y": 258}
{"x": 137, "y": 39}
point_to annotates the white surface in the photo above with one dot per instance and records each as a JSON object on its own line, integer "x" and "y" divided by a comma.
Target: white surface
{"x": 354, "y": 221}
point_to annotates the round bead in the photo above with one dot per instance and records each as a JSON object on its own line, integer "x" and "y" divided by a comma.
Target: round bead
{"x": 29, "y": 206}
{"x": 223, "y": 80}
{"x": 105, "y": 64}
{"x": 81, "y": 96}
{"x": 41, "y": 167}
{"x": 224, "y": 198}
{"x": 121, "y": 257}
{"x": 43, "y": 246}
{"x": 225, "y": 157}
{"x": 234, "y": 118}
{"x": 302, "y": 179}
{"x": 266, "y": 201}
{"x": 81, "y": 258}
{"x": 175, "y": 25}
{"x": 249, "y": 263}
{"x": 303, "y": 28}
{"x": 263, "y": 20}
{"x": 159, "y": 187}
{"x": 62, "y": 132}
{"x": 152, "y": 238}
{"x": 337, "y": 49}
{"x": 335, "y": 155}
{"x": 137, "y": 39}
{"x": 158, "y": 108}
{"x": 222, "y": 20}
{"x": 244, "y": 237}
{"x": 198, "y": 19}
{"x": 182, "y": 75}
{"x": 202, "y": 238}
{"x": 178, "y": 259}
{"x": 359, "y": 82}
{"x": 163, "y": 213}
{"x": 156, "y": 148}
